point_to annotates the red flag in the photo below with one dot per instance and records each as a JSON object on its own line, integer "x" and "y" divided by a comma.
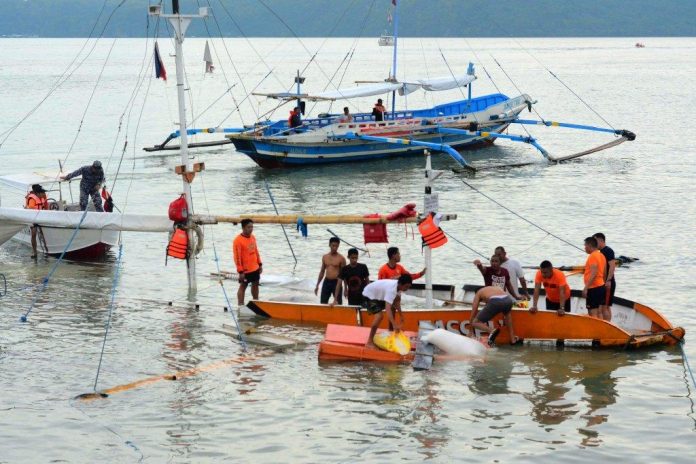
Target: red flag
{"x": 159, "y": 65}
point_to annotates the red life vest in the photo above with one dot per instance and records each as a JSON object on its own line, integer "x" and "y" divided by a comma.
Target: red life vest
{"x": 433, "y": 236}
{"x": 178, "y": 210}
{"x": 375, "y": 233}
{"x": 178, "y": 244}
{"x": 39, "y": 203}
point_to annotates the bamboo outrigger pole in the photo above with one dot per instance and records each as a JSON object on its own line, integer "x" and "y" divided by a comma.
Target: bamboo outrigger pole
{"x": 294, "y": 218}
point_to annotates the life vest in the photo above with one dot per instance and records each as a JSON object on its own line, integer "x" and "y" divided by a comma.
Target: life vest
{"x": 294, "y": 119}
{"x": 39, "y": 203}
{"x": 178, "y": 209}
{"x": 178, "y": 244}
{"x": 433, "y": 236}
{"x": 375, "y": 233}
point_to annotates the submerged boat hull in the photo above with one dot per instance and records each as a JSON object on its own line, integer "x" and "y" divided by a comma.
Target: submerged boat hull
{"x": 636, "y": 325}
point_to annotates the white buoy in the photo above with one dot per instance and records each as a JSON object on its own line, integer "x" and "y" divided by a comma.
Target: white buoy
{"x": 454, "y": 344}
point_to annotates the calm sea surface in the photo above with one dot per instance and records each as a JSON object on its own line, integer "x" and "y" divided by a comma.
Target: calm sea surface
{"x": 524, "y": 404}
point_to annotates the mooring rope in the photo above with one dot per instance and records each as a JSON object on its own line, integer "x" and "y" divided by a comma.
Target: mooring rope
{"x": 111, "y": 310}
{"x": 686, "y": 361}
{"x": 465, "y": 245}
{"x": 519, "y": 215}
{"x": 23, "y": 317}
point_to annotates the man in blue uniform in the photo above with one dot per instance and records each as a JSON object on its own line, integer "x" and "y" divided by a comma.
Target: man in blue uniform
{"x": 92, "y": 178}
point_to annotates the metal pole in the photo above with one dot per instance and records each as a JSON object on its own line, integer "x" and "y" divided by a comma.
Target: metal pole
{"x": 180, "y": 25}
{"x": 396, "y": 40}
{"x": 428, "y": 251}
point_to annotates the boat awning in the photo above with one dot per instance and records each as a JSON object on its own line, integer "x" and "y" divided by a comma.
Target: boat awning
{"x": 26, "y": 180}
{"x": 358, "y": 91}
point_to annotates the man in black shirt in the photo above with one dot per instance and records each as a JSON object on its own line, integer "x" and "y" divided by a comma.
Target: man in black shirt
{"x": 355, "y": 277}
{"x": 608, "y": 275}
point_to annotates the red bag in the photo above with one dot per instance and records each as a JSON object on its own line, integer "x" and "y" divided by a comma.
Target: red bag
{"x": 178, "y": 210}
{"x": 375, "y": 233}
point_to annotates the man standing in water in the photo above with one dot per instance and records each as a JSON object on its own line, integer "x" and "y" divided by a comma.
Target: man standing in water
{"x": 354, "y": 278}
{"x": 385, "y": 295}
{"x": 92, "y": 178}
{"x": 497, "y": 301}
{"x": 331, "y": 265}
{"x": 610, "y": 282}
{"x": 248, "y": 261}
{"x": 594, "y": 290}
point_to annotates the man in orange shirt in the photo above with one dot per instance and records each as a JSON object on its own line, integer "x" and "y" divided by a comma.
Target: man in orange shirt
{"x": 248, "y": 261}
{"x": 393, "y": 270}
{"x": 556, "y": 286}
{"x": 594, "y": 290}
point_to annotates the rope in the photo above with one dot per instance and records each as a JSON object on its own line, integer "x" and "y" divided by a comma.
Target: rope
{"x": 519, "y": 215}
{"x": 465, "y": 245}
{"x": 111, "y": 310}
{"x": 686, "y": 361}
{"x": 268, "y": 189}
{"x": 23, "y": 318}
{"x": 347, "y": 243}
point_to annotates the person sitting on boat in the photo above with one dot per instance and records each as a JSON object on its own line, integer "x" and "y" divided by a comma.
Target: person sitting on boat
{"x": 36, "y": 199}
{"x": 594, "y": 290}
{"x": 295, "y": 118}
{"x": 610, "y": 282}
{"x": 248, "y": 261}
{"x": 379, "y": 110}
{"x": 354, "y": 277}
{"x": 331, "y": 265}
{"x": 347, "y": 117}
{"x": 393, "y": 270}
{"x": 385, "y": 295}
{"x": 92, "y": 178}
{"x": 514, "y": 268}
{"x": 497, "y": 301}
{"x": 556, "y": 286}
{"x": 496, "y": 276}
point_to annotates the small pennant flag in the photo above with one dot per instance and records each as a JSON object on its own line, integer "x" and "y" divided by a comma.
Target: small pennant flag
{"x": 208, "y": 59}
{"x": 159, "y": 65}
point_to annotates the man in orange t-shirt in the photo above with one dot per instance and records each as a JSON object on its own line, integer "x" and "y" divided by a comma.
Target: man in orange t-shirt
{"x": 248, "y": 261}
{"x": 556, "y": 286}
{"x": 393, "y": 270}
{"x": 594, "y": 290}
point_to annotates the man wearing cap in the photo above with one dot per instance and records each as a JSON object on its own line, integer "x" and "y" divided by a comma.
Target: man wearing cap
{"x": 92, "y": 178}
{"x": 36, "y": 199}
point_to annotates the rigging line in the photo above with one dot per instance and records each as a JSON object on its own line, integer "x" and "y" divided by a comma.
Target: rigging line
{"x": 686, "y": 361}
{"x": 465, "y": 245}
{"x": 519, "y": 215}
{"x": 46, "y": 279}
{"x": 521, "y": 253}
{"x": 58, "y": 82}
{"x": 220, "y": 279}
{"x": 427, "y": 74}
{"x": 473, "y": 113}
{"x": 111, "y": 309}
{"x": 347, "y": 243}
{"x": 213, "y": 103}
{"x": 287, "y": 239}
{"x": 89, "y": 101}
{"x": 472, "y": 50}
{"x": 236, "y": 108}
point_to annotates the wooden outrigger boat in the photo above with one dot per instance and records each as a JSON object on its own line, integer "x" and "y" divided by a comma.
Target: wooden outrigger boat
{"x": 634, "y": 325}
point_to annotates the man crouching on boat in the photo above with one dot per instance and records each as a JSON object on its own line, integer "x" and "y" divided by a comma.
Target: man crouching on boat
{"x": 385, "y": 295}
{"x": 497, "y": 301}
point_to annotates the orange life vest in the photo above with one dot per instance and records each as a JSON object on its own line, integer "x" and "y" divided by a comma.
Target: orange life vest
{"x": 178, "y": 244}
{"x": 39, "y": 203}
{"x": 433, "y": 236}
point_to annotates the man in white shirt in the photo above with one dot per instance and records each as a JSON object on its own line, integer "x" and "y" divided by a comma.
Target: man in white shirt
{"x": 385, "y": 295}
{"x": 514, "y": 268}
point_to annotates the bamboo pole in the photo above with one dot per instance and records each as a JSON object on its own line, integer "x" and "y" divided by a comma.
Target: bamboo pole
{"x": 311, "y": 219}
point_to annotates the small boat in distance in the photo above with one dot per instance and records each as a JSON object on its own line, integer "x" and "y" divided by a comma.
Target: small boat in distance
{"x": 640, "y": 45}
{"x": 386, "y": 40}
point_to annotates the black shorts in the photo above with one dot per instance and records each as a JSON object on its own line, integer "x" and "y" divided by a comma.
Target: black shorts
{"x": 610, "y": 298}
{"x": 556, "y": 305}
{"x": 327, "y": 290}
{"x": 373, "y": 306}
{"x": 595, "y": 297}
{"x": 495, "y": 306}
{"x": 252, "y": 277}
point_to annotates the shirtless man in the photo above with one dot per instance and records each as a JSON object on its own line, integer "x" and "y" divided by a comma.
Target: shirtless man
{"x": 331, "y": 265}
{"x": 497, "y": 301}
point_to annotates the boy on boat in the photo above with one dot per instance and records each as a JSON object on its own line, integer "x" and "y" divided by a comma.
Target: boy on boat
{"x": 497, "y": 301}
{"x": 514, "y": 268}
{"x": 594, "y": 290}
{"x": 385, "y": 295}
{"x": 496, "y": 276}
{"x": 353, "y": 278}
{"x": 295, "y": 118}
{"x": 36, "y": 199}
{"x": 331, "y": 265}
{"x": 556, "y": 286}
{"x": 248, "y": 261}
{"x": 610, "y": 282}
{"x": 393, "y": 270}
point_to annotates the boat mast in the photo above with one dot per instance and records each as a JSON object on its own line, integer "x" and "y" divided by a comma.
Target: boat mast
{"x": 396, "y": 40}
{"x": 180, "y": 23}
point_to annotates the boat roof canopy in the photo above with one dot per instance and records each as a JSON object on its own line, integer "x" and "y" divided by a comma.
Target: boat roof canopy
{"x": 24, "y": 181}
